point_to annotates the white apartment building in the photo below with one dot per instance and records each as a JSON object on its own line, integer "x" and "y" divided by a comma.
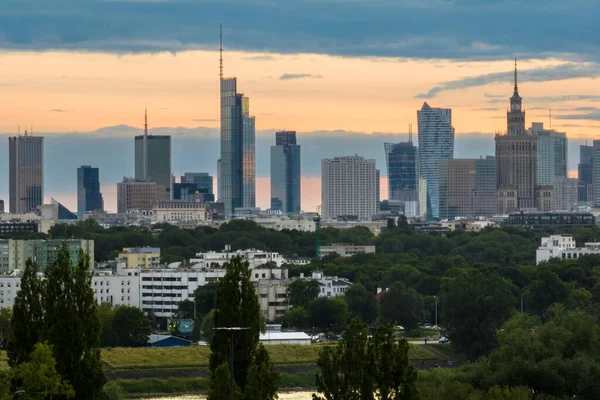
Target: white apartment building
{"x": 563, "y": 247}
{"x": 118, "y": 290}
{"x": 330, "y": 286}
{"x": 9, "y": 286}
{"x": 255, "y": 258}
{"x": 271, "y": 289}
{"x": 348, "y": 187}
{"x": 346, "y": 250}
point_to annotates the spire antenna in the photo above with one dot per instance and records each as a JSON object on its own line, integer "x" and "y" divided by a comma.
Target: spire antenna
{"x": 221, "y": 50}
{"x": 516, "y": 73}
{"x": 146, "y": 120}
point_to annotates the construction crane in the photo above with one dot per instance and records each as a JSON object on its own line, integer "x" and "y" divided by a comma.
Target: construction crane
{"x": 317, "y": 220}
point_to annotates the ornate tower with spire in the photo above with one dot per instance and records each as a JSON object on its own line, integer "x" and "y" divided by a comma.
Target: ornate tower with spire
{"x": 516, "y": 160}
{"x": 515, "y": 117}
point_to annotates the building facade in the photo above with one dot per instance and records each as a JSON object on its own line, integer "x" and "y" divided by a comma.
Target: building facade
{"x": 135, "y": 195}
{"x": 237, "y": 165}
{"x": 153, "y": 161}
{"x": 346, "y": 250}
{"x": 468, "y": 188}
{"x": 179, "y": 211}
{"x": 596, "y": 173}
{"x": 552, "y": 154}
{"x": 26, "y": 173}
{"x": 565, "y": 194}
{"x": 89, "y": 197}
{"x": 585, "y": 173}
{"x": 285, "y": 173}
{"x": 436, "y": 142}
{"x": 14, "y": 253}
{"x": 202, "y": 180}
{"x": 403, "y": 171}
{"x": 348, "y": 188}
{"x": 516, "y": 160}
{"x": 140, "y": 257}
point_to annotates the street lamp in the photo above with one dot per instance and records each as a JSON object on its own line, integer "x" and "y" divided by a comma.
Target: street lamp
{"x": 232, "y": 330}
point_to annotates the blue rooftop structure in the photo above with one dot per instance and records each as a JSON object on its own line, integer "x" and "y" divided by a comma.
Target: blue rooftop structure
{"x": 167, "y": 341}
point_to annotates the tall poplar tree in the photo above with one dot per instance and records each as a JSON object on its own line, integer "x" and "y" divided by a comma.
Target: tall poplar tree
{"x": 73, "y": 326}
{"x": 236, "y": 305}
{"x": 27, "y": 320}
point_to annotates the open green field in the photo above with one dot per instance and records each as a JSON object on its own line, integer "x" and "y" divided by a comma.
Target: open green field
{"x": 144, "y": 358}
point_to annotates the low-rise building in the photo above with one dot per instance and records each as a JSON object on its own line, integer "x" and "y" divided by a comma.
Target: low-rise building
{"x": 563, "y": 247}
{"x": 291, "y": 223}
{"x": 14, "y": 253}
{"x": 140, "y": 257}
{"x": 118, "y": 289}
{"x": 539, "y": 221}
{"x": 346, "y": 250}
{"x": 179, "y": 211}
{"x": 255, "y": 258}
{"x": 330, "y": 286}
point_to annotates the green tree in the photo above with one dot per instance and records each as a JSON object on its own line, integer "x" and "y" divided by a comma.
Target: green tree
{"x": 113, "y": 391}
{"x": 72, "y": 324}
{"x": 361, "y": 303}
{"x": 328, "y": 313}
{"x": 390, "y": 368}
{"x": 185, "y": 309}
{"x": 545, "y": 290}
{"x": 205, "y": 297}
{"x": 402, "y": 305}
{"x": 5, "y": 327}
{"x": 27, "y": 323}
{"x": 262, "y": 377}
{"x": 130, "y": 327}
{"x": 220, "y": 384}
{"x": 206, "y": 329}
{"x": 344, "y": 369}
{"x": 474, "y": 307}
{"x": 301, "y": 292}
{"x": 297, "y": 318}
{"x": 236, "y": 306}
{"x": 105, "y": 316}
{"x": 38, "y": 379}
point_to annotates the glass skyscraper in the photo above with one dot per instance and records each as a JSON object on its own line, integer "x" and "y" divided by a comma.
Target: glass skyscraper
{"x": 285, "y": 173}
{"x": 26, "y": 173}
{"x": 436, "y": 142}
{"x": 89, "y": 197}
{"x": 403, "y": 166}
{"x": 153, "y": 162}
{"x": 585, "y": 172}
{"x": 202, "y": 180}
{"x": 237, "y": 183}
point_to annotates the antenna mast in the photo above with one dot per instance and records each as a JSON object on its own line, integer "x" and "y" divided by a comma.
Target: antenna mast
{"x": 409, "y": 133}
{"x": 221, "y": 50}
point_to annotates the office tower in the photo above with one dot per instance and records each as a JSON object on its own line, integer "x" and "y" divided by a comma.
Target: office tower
{"x": 403, "y": 165}
{"x": 596, "y": 173}
{"x": 135, "y": 195}
{"x": 436, "y": 142}
{"x": 153, "y": 161}
{"x": 192, "y": 192}
{"x": 348, "y": 188}
{"x": 285, "y": 173}
{"x": 26, "y": 173}
{"x": 564, "y": 194}
{"x": 89, "y": 197}
{"x": 202, "y": 180}
{"x": 552, "y": 154}
{"x": 237, "y": 185}
{"x": 585, "y": 171}
{"x": 516, "y": 160}
{"x": 1, "y": 206}
{"x": 468, "y": 188}
{"x": 377, "y": 190}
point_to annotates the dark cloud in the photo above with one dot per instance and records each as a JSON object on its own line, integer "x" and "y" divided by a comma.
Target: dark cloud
{"x": 458, "y": 29}
{"x": 59, "y": 110}
{"x": 262, "y": 57}
{"x": 592, "y": 116}
{"x": 544, "y": 74}
{"x": 286, "y": 76}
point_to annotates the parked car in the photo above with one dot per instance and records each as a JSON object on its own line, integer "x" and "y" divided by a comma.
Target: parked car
{"x": 443, "y": 339}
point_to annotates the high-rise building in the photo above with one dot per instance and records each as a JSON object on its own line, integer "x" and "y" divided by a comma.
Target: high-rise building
{"x": 135, "y": 195}
{"x": 192, "y": 192}
{"x": 468, "y": 188}
{"x": 203, "y": 180}
{"x": 237, "y": 183}
{"x": 564, "y": 194}
{"x": 89, "y": 197}
{"x": 585, "y": 172}
{"x": 26, "y": 173}
{"x": 403, "y": 171}
{"x": 596, "y": 173}
{"x": 285, "y": 173}
{"x": 1, "y": 206}
{"x": 516, "y": 160}
{"x": 436, "y": 142}
{"x": 348, "y": 188}
{"x": 552, "y": 154}
{"x": 153, "y": 161}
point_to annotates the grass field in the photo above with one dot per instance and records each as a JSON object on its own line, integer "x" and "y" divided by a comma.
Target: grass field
{"x": 122, "y": 358}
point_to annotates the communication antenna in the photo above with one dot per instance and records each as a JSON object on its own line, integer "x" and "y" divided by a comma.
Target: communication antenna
{"x": 221, "y": 50}
{"x": 409, "y": 133}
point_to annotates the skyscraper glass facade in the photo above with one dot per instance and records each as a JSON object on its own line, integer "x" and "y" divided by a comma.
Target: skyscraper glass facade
{"x": 153, "y": 162}
{"x": 237, "y": 181}
{"x": 202, "y": 180}
{"x": 402, "y": 164}
{"x": 436, "y": 142}
{"x": 285, "y": 173}
{"x": 89, "y": 197}
{"x": 585, "y": 172}
{"x": 26, "y": 173}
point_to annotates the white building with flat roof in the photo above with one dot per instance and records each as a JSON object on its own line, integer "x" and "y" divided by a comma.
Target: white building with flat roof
{"x": 256, "y": 258}
{"x": 329, "y": 286}
{"x": 346, "y": 250}
{"x": 118, "y": 290}
{"x": 563, "y": 247}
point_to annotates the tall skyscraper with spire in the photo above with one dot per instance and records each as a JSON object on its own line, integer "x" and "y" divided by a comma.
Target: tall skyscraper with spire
{"x": 153, "y": 161}
{"x": 516, "y": 158}
{"x": 237, "y": 177}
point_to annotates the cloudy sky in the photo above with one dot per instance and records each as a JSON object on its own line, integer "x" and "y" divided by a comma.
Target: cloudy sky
{"x": 346, "y": 74}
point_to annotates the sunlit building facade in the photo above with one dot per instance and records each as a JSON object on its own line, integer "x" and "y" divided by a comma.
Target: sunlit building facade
{"x": 26, "y": 173}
